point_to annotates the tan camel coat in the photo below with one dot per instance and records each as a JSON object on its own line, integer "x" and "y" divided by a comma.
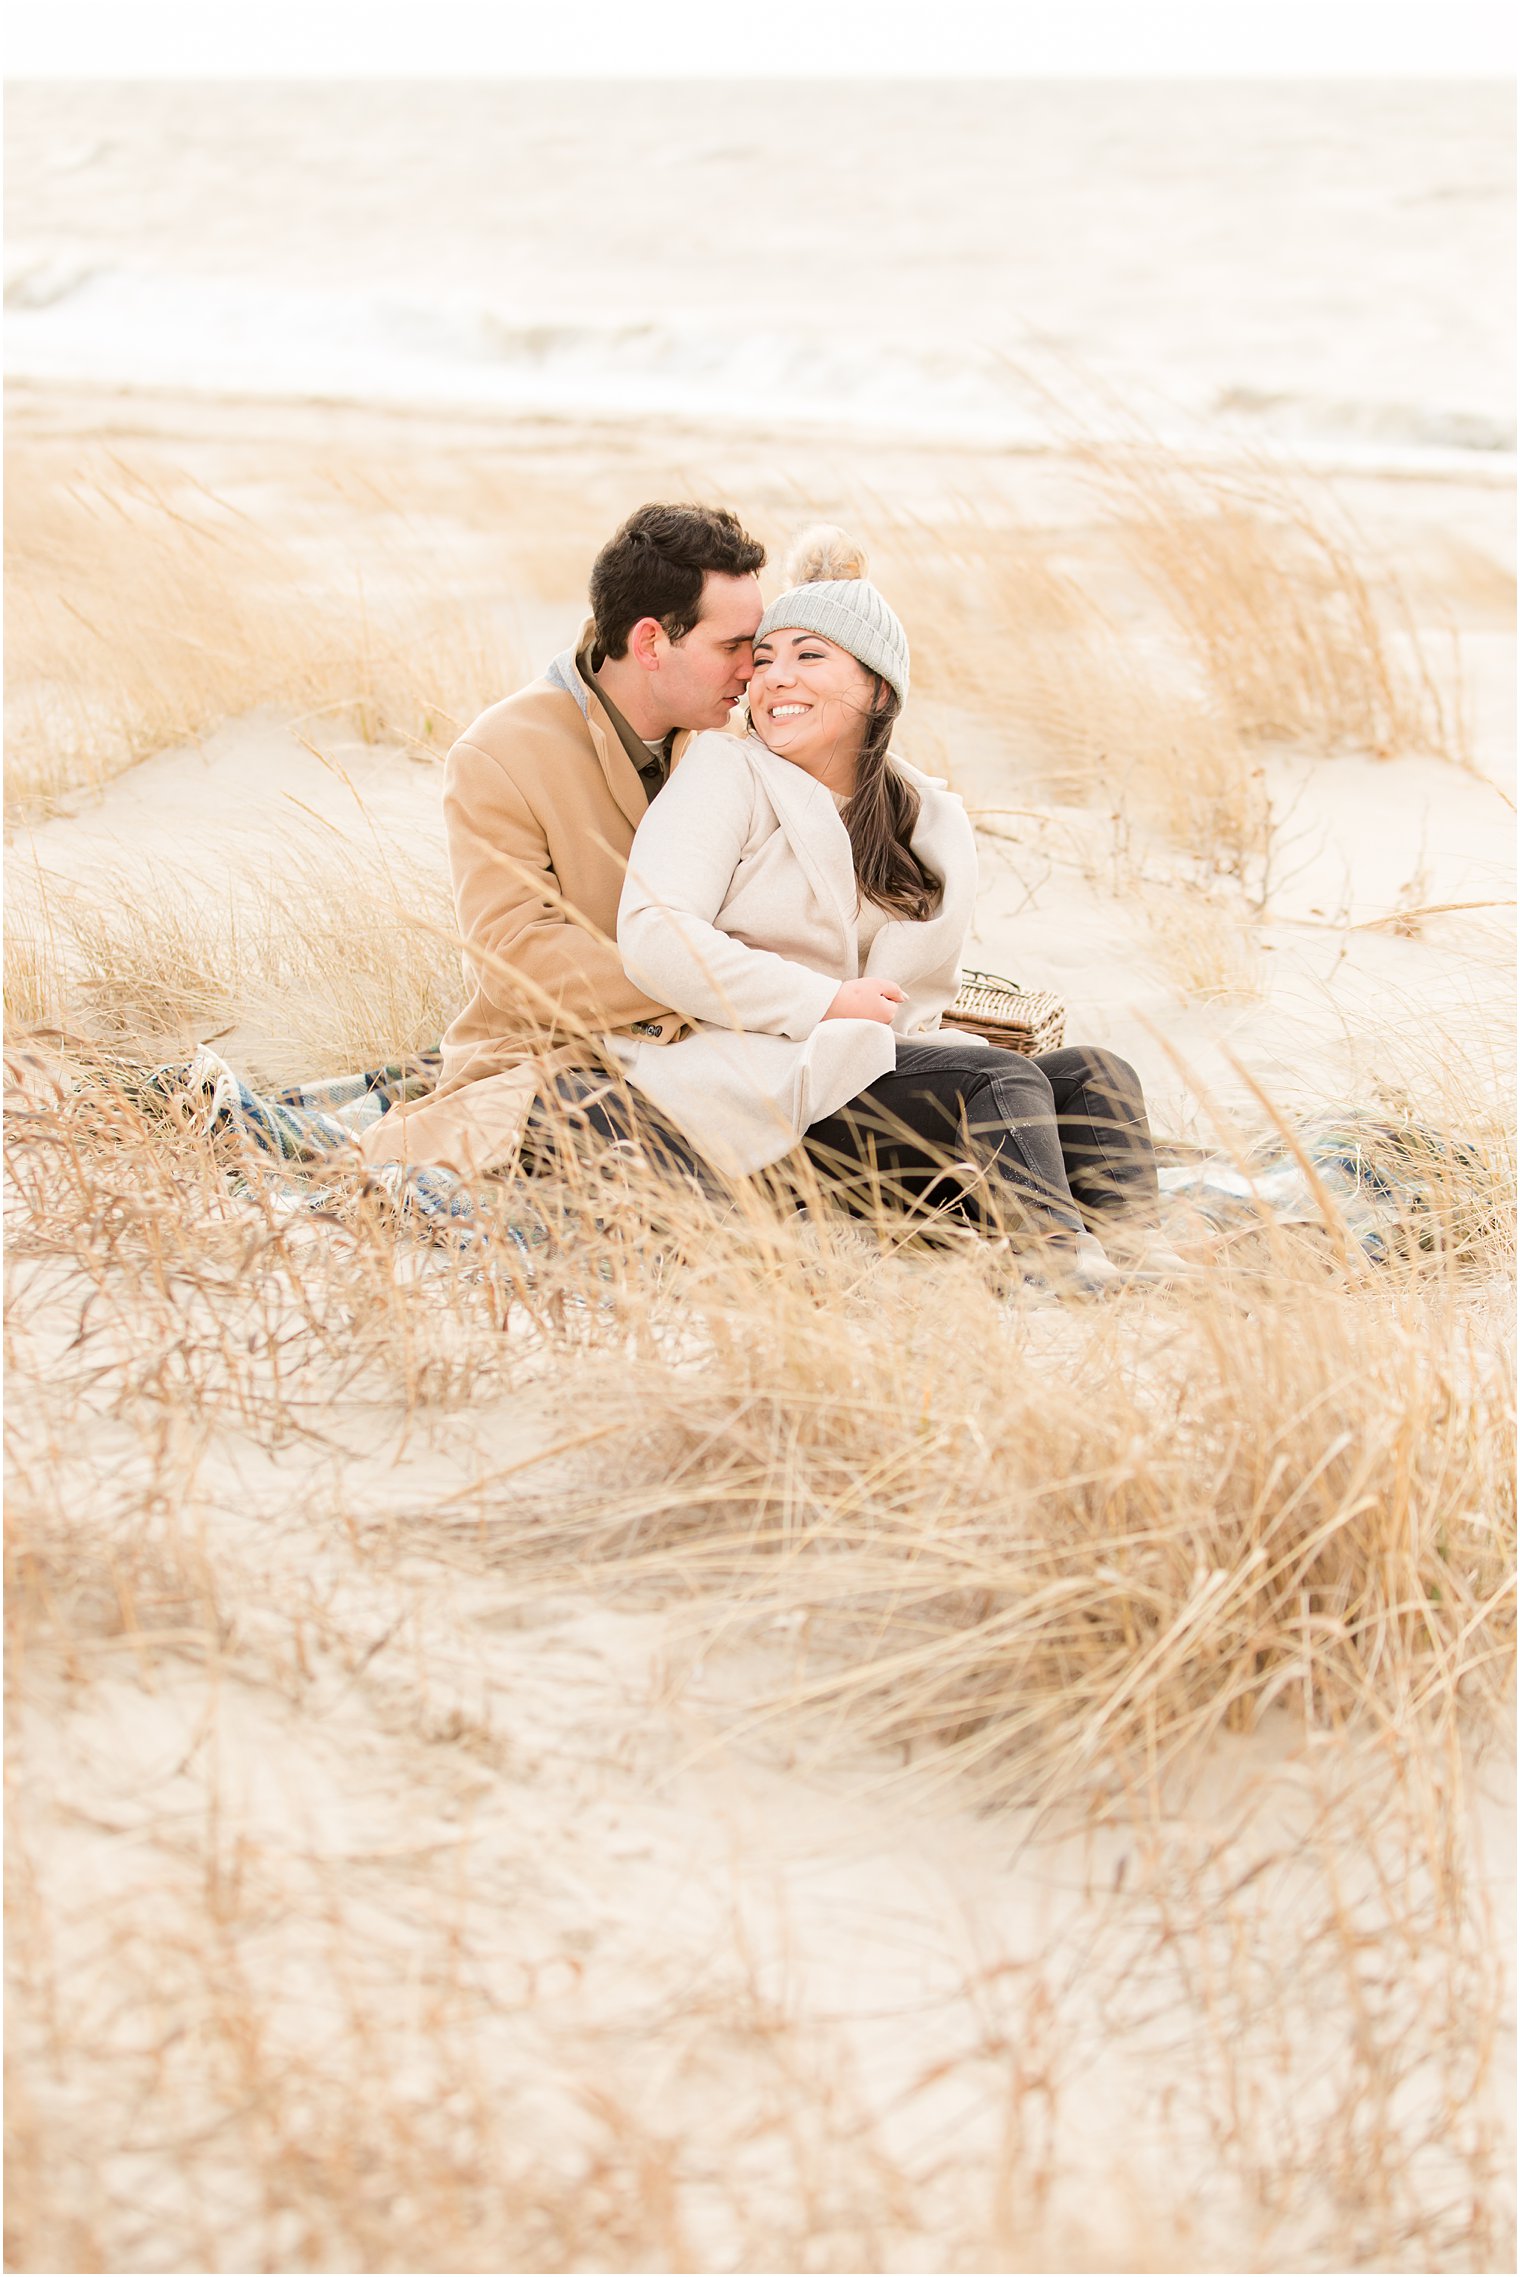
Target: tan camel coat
{"x": 740, "y": 909}
{"x": 541, "y": 802}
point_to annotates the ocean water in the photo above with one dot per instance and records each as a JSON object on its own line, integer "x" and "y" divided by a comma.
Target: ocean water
{"x": 1328, "y": 266}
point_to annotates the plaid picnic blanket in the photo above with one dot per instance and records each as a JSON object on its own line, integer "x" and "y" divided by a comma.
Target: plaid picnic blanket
{"x": 307, "y": 1124}
{"x": 1393, "y": 1186}
{"x": 1390, "y": 1184}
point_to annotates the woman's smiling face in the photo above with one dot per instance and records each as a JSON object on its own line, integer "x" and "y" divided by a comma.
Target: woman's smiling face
{"x": 809, "y": 701}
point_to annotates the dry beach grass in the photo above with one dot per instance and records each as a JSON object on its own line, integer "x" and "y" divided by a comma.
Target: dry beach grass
{"x": 722, "y": 1740}
{"x": 145, "y": 610}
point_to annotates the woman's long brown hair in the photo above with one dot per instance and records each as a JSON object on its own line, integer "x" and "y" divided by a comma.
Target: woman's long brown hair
{"x": 880, "y": 817}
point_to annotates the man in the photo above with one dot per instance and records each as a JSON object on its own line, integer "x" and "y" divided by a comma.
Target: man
{"x": 542, "y": 795}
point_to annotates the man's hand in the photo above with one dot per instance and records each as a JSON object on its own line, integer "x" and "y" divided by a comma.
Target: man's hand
{"x": 866, "y": 1000}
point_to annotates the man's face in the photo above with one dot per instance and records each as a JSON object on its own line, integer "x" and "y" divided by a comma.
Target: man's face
{"x": 702, "y": 677}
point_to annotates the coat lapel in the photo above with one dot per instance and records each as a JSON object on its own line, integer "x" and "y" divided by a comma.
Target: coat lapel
{"x": 622, "y": 777}
{"x": 812, "y": 828}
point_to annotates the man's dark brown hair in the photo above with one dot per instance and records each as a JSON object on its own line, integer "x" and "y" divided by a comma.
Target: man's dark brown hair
{"x": 654, "y": 566}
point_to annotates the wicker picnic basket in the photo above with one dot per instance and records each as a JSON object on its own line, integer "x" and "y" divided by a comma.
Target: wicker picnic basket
{"x": 1018, "y": 1019}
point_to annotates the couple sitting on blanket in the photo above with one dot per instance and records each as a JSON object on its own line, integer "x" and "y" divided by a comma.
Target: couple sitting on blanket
{"x": 789, "y": 906}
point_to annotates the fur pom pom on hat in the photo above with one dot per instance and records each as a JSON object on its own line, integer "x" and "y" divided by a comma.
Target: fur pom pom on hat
{"x": 824, "y": 555}
{"x": 828, "y": 592}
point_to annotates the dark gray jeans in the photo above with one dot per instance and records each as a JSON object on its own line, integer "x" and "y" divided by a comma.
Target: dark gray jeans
{"x": 595, "y": 1120}
{"x": 1051, "y": 1144}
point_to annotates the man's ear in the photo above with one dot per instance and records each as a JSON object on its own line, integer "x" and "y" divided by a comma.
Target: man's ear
{"x": 645, "y": 641}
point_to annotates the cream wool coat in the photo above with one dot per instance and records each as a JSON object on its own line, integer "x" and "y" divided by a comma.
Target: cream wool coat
{"x": 739, "y": 911}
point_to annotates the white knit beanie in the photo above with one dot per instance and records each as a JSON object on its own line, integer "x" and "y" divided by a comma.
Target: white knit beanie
{"x": 828, "y": 592}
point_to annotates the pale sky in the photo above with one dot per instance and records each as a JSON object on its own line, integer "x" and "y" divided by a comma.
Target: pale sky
{"x": 771, "y": 40}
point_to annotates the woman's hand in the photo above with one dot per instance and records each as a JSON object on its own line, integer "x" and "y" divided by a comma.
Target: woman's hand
{"x": 866, "y": 1000}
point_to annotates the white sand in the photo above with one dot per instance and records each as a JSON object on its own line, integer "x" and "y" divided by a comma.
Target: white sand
{"x": 522, "y": 1833}
{"x": 647, "y": 1906}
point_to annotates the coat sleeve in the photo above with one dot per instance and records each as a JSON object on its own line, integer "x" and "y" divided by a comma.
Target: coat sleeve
{"x": 530, "y": 959}
{"x": 685, "y": 853}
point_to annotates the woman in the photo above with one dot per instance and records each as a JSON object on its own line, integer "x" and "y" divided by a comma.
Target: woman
{"x": 803, "y": 898}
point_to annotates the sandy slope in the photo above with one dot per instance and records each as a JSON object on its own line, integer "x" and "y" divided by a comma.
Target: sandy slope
{"x": 464, "y": 1839}
{"x": 451, "y": 1823}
